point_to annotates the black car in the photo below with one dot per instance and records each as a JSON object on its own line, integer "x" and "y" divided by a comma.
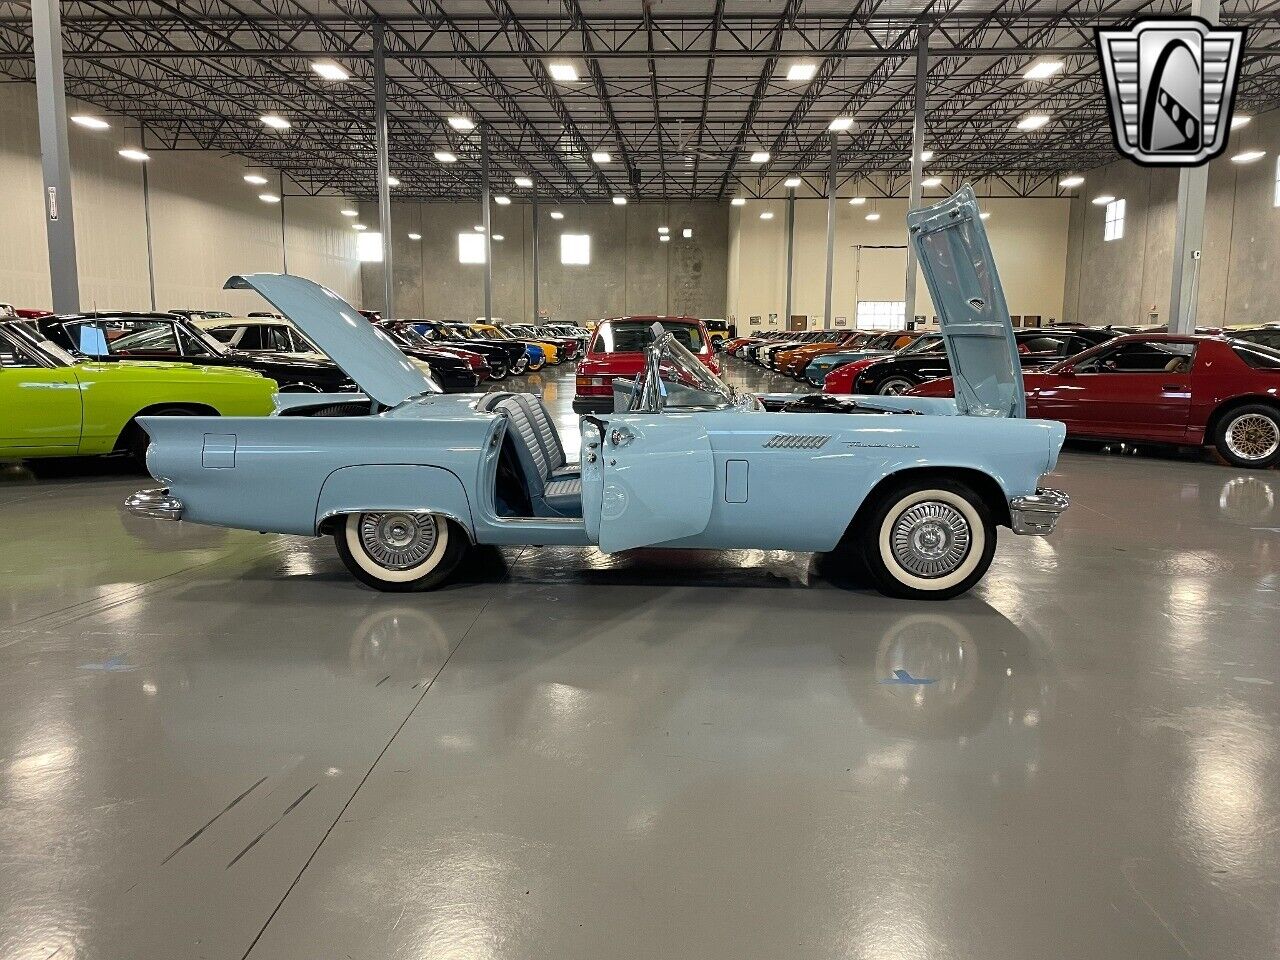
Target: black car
{"x": 468, "y": 333}
{"x": 451, "y": 367}
{"x": 909, "y": 368}
{"x": 1267, "y": 336}
{"x": 166, "y": 336}
{"x": 502, "y": 356}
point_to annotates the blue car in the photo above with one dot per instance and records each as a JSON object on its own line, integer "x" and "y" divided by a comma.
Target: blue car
{"x": 409, "y": 479}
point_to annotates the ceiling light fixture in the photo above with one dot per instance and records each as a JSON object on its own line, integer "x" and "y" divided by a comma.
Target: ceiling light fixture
{"x": 791, "y": 182}
{"x": 767, "y": 215}
{"x": 1102, "y": 199}
{"x": 619, "y": 201}
{"x": 349, "y": 212}
{"x": 330, "y": 70}
{"x": 1248, "y": 156}
{"x": 857, "y": 201}
{"x": 444, "y": 156}
{"x": 415, "y": 236}
{"x": 498, "y": 238}
{"x": 502, "y": 201}
{"x": 739, "y": 201}
{"x": 358, "y": 226}
{"x": 872, "y": 216}
{"x": 133, "y": 153}
{"x": 393, "y": 181}
{"x": 930, "y": 182}
{"x": 840, "y": 124}
{"x": 478, "y": 228}
{"x": 600, "y": 156}
{"x": 275, "y": 121}
{"x": 92, "y": 123}
{"x": 1239, "y": 120}
{"x": 1033, "y": 121}
{"x": 801, "y": 72}
{"x": 1043, "y": 69}
{"x": 524, "y": 183}
{"x": 1074, "y": 180}
{"x": 926, "y": 156}
{"x": 687, "y": 233}
{"x": 760, "y": 156}
{"x": 563, "y": 72}
{"x": 664, "y": 229}
{"x": 665, "y": 238}
{"x": 462, "y": 123}
{"x": 268, "y": 198}
{"x": 256, "y": 179}
{"x": 557, "y": 215}
{"x": 985, "y": 215}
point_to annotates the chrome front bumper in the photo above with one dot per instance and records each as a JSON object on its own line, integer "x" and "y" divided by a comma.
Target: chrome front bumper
{"x": 1036, "y": 514}
{"x": 154, "y": 504}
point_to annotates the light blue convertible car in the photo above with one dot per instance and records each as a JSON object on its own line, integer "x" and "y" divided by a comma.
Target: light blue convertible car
{"x": 910, "y": 489}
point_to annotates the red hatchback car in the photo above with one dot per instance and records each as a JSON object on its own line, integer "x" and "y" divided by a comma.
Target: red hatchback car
{"x": 1163, "y": 388}
{"x": 617, "y": 350}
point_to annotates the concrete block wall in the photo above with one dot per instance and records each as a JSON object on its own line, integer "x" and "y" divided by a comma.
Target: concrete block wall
{"x": 631, "y": 270}
{"x": 1128, "y": 280}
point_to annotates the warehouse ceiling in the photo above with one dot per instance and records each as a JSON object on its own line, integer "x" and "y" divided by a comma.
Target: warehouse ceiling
{"x": 679, "y": 93}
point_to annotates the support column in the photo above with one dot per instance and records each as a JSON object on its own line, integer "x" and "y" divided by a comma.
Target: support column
{"x": 486, "y": 223}
{"x": 55, "y": 158}
{"x": 917, "y": 160}
{"x": 791, "y": 250}
{"x": 831, "y": 229}
{"x": 1188, "y": 230}
{"x": 284, "y": 239}
{"x": 146, "y": 216}
{"x": 536, "y": 277}
{"x": 384, "y": 166}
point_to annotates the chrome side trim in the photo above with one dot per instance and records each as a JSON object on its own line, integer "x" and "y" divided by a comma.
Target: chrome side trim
{"x": 1037, "y": 514}
{"x": 154, "y": 504}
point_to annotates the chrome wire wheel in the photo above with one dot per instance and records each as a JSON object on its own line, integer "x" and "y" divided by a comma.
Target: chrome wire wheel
{"x": 1253, "y": 436}
{"x": 931, "y": 539}
{"x": 399, "y": 541}
{"x": 895, "y": 387}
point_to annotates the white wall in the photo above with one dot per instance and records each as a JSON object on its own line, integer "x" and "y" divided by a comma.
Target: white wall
{"x": 207, "y": 223}
{"x": 1028, "y": 236}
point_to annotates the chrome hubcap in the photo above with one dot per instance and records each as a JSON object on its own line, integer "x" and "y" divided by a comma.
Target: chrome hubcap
{"x": 895, "y": 388}
{"x": 399, "y": 541}
{"x": 931, "y": 539}
{"x": 1253, "y": 437}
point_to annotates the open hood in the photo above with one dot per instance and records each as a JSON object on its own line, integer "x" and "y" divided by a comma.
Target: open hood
{"x": 956, "y": 258}
{"x": 364, "y": 352}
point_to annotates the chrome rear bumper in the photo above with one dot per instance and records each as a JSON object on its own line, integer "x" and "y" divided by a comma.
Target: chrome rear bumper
{"x": 154, "y": 504}
{"x": 1037, "y": 514}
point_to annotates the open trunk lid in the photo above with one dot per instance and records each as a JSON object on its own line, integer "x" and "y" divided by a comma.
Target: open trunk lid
{"x": 951, "y": 245}
{"x": 364, "y": 352}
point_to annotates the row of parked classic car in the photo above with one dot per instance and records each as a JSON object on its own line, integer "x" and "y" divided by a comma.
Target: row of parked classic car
{"x": 1215, "y": 387}
{"x": 77, "y": 384}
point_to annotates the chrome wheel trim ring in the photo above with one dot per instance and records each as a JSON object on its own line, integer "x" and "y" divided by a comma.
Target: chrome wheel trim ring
{"x": 931, "y": 539}
{"x": 1253, "y": 436}
{"x": 399, "y": 541}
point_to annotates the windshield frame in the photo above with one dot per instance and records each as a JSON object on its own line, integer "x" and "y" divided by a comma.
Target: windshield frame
{"x": 667, "y": 349}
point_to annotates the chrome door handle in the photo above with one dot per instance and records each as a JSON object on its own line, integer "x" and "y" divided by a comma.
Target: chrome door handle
{"x": 1173, "y": 387}
{"x": 621, "y": 436}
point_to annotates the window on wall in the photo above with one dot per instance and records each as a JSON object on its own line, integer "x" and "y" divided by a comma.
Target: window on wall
{"x": 471, "y": 247}
{"x": 575, "y": 248}
{"x": 881, "y": 314}
{"x": 1113, "y": 228}
{"x": 369, "y": 247}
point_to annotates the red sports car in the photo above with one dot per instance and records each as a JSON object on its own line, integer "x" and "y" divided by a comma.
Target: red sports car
{"x": 617, "y": 350}
{"x": 1163, "y": 388}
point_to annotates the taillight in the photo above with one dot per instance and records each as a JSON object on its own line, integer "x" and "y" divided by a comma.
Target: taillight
{"x": 594, "y": 386}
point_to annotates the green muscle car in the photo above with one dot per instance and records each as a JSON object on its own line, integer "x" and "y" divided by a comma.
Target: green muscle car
{"x": 56, "y": 404}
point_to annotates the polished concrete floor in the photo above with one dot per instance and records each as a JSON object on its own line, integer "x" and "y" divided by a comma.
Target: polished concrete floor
{"x": 215, "y": 744}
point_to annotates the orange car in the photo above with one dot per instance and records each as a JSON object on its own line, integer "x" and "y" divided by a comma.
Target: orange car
{"x": 793, "y": 362}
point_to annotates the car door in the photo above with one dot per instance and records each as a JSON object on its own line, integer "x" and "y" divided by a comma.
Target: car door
{"x": 1135, "y": 389}
{"x": 41, "y": 405}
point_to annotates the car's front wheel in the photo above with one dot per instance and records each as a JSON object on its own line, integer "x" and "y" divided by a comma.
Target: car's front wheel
{"x": 929, "y": 539}
{"x": 536, "y": 365}
{"x": 895, "y": 387}
{"x": 1249, "y": 436}
{"x": 400, "y": 551}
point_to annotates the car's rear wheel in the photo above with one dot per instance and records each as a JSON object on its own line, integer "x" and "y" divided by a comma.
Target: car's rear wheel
{"x": 135, "y": 441}
{"x": 1249, "y": 436}
{"x": 497, "y": 371}
{"x": 895, "y": 387}
{"x": 929, "y": 539}
{"x": 536, "y": 364}
{"x": 400, "y": 551}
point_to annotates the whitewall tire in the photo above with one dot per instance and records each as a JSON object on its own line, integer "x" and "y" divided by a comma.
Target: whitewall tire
{"x": 398, "y": 550}
{"x": 929, "y": 539}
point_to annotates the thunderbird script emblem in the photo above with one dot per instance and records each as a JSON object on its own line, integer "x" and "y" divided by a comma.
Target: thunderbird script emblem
{"x": 1171, "y": 83}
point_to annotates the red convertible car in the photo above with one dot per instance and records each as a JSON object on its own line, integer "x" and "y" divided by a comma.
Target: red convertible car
{"x": 617, "y": 350}
{"x": 1163, "y": 388}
